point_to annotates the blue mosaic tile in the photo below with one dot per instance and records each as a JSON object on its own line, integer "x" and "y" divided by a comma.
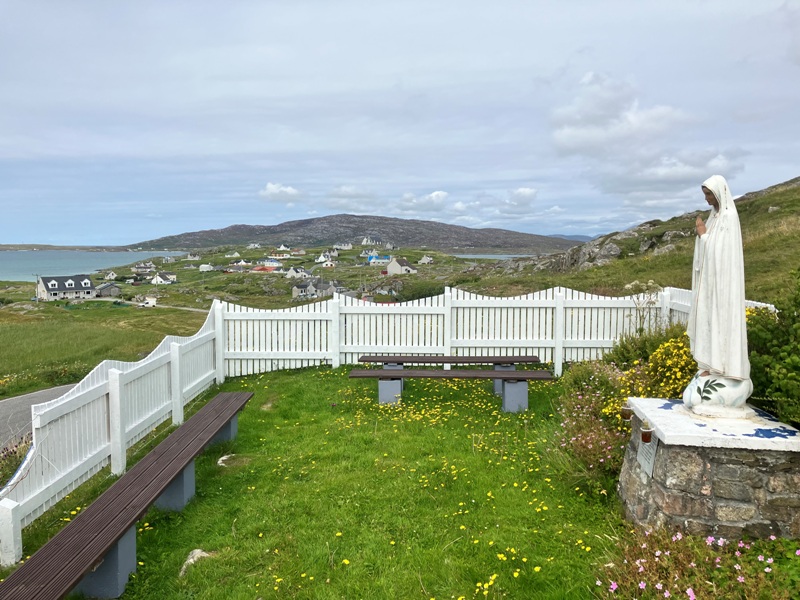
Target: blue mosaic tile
{"x": 775, "y": 432}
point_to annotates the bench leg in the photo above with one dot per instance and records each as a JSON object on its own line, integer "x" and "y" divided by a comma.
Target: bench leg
{"x": 515, "y": 396}
{"x": 108, "y": 580}
{"x": 397, "y": 366}
{"x": 179, "y": 492}
{"x": 498, "y": 383}
{"x": 227, "y": 433}
{"x": 389, "y": 390}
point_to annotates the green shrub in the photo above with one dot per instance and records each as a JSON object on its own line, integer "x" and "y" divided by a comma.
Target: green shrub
{"x": 774, "y": 344}
{"x": 591, "y": 433}
{"x": 64, "y": 372}
{"x": 639, "y": 346}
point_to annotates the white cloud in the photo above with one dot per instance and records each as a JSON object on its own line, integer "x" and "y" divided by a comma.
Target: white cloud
{"x": 350, "y": 191}
{"x": 279, "y": 192}
{"x": 524, "y": 192}
{"x": 606, "y": 117}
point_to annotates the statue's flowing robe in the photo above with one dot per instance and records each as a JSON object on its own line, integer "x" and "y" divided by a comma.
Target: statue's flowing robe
{"x": 717, "y": 328}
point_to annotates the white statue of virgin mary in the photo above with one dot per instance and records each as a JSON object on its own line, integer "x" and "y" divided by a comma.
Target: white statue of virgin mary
{"x": 716, "y": 328}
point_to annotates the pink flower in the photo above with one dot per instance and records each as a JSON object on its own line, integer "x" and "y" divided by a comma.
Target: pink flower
{"x": 667, "y": 594}
{"x": 772, "y": 537}
{"x": 797, "y": 553}
{"x": 659, "y": 586}
{"x": 768, "y": 570}
{"x": 740, "y": 579}
{"x": 642, "y": 585}
{"x": 737, "y": 567}
{"x": 769, "y": 560}
{"x": 598, "y": 582}
{"x": 613, "y": 587}
{"x": 709, "y": 541}
{"x": 761, "y": 557}
{"x": 690, "y": 593}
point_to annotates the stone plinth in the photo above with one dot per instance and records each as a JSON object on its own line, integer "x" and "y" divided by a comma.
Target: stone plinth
{"x": 712, "y": 476}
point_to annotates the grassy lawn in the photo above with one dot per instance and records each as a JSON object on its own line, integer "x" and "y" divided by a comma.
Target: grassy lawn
{"x": 330, "y": 495}
{"x": 56, "y": 343}
{"x": 327, "y": 494}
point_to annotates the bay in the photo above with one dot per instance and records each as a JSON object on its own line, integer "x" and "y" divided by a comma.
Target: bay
{"x": 26, "y": 265}
{"x": 492, "y": 256}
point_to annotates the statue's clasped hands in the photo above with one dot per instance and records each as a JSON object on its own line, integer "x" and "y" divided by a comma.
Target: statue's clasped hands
{"x": 701, "y": 227}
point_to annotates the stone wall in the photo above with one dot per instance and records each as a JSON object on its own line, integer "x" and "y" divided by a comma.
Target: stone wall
{"x": 727, "y": 492}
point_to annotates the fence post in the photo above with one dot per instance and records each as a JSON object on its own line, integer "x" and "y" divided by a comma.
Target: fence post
{"x": 448, "y": 323}
{"x": 10, "y": 532}
{"x": 176, "y": 385}
{"x": 665, "y": 307}
{"x": 558, "y": 335}
{"x": 116, "y": 422}
{"x": 220, "y": 341}
{"x": 335, "y": 335}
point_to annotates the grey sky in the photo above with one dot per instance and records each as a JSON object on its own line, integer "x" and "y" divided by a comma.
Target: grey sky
{"x": 127, "y": 121}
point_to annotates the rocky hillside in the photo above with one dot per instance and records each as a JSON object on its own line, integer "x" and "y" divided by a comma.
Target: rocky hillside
{"x": 326, "y": 231}
{"x": 773, "y": 207}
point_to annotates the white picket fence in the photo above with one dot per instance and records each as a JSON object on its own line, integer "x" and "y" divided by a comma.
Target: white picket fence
{"x": 118, "y": 403}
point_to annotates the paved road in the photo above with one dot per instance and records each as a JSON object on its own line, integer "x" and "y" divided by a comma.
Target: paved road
{"x": 15, "y": 413}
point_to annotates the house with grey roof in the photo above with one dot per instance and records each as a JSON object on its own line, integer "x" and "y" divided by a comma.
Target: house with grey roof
{"x": 399, "y": 266}
{"x": 65, "y": 287}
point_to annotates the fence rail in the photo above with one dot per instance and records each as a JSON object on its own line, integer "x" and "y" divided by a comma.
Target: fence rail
{"x": 118, "y": 403}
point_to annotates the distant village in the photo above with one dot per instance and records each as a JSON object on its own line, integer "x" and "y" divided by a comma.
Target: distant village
{"x": 375, "y": 255}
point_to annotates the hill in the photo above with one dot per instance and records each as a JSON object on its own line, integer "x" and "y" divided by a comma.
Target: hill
{"x": 662, "y": 251}
{"x": 329, "y": 230}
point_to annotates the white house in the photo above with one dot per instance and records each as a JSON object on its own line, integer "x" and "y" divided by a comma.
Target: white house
{"x": 66, "y": 287}
{"x": 206, "y": 268}
{"x": 425, "y": 260}
{"x": 167, "y": 260}
{"x": 164, "y": 278}
{"x": 297, "y": 273}
{"x": 284, "y": 248}
{"x": 329, "y": 264}
{"x": 280, "y": 255}
{"x": 346, "y": 246}
{"x": 253, "y": 246}
{"x": 399, "y": 266}
{"x": 241, "y": 263}
{"x": 233, "y": 254}
{"x": 192, "y": 256}
{"x": 111, "y": 275}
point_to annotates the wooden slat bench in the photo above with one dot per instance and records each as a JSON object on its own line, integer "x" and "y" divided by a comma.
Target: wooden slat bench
{"x": 96, "y": 552}
{"x": 514, "y": 383}
{"x": 501, "y": 363}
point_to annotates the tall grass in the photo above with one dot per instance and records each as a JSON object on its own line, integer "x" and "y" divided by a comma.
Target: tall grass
{"x": 56, "y": 344}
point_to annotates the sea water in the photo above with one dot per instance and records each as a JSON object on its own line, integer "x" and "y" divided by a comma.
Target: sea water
{"x": 26, "y": 265}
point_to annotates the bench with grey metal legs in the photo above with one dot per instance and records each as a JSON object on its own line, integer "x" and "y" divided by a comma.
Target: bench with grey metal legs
{"x": 96, "y": 552}
{"x": 500, "y": 363}
{"x": 514, "y": 390}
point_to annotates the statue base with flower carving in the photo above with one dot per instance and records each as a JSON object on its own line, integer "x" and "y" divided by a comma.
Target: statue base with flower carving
{"x": 713, "y": 395}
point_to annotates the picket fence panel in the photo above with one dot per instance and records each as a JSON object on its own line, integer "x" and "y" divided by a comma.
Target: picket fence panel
{"x": 118, "y": 403}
